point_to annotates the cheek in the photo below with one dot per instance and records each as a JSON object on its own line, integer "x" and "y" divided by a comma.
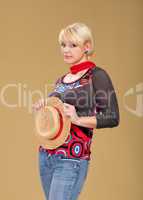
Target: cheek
{"x": 77, "y": 53}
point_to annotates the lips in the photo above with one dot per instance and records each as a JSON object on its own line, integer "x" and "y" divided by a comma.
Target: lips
{"x": 65, "y": 56}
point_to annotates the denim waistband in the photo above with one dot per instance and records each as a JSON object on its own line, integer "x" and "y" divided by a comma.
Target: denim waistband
{"x": 61, "y": 156}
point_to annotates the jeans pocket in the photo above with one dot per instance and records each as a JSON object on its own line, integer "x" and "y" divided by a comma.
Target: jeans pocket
{"x": 69, "y": 164}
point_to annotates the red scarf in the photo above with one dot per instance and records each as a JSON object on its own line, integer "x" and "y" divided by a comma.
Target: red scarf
{"x": 81, "y": 66}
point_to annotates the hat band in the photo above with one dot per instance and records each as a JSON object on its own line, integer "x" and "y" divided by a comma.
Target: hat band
{"x": 61, "y": 125}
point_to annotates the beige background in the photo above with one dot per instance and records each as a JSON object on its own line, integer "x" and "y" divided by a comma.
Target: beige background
{"x": 30, "y": 58}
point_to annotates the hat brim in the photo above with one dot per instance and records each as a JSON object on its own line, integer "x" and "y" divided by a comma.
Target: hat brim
{"x": 52, "y": 144}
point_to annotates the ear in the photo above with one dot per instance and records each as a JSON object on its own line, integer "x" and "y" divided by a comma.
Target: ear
{"x": 87, "y": 45}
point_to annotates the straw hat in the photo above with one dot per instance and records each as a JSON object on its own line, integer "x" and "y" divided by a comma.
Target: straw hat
{"x": 52, "y": 125}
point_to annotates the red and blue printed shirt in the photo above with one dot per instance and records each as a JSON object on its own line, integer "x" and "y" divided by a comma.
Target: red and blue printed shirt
{"x": 78, "y": 143}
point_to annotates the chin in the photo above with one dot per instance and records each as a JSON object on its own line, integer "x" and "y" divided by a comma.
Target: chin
{"x": 68, "y": 61}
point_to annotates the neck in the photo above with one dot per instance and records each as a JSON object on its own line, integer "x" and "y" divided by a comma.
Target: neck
{"x": 80, "y": 66}
{"x": 80, "y": 61}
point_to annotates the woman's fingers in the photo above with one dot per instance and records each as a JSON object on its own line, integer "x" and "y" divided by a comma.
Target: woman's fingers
{"x": 38, "y": 105}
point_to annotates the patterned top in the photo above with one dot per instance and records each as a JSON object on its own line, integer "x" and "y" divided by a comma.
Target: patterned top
{"x": 78, "y": 143}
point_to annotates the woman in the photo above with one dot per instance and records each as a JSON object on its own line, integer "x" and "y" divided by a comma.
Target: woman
{"x": 90, "y": 102}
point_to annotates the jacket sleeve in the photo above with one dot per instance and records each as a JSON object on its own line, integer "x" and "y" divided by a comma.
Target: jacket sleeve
{"x": 106, "y": 107}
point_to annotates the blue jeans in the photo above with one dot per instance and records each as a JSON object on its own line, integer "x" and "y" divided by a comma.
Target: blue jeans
{"x": 62, "y": 178}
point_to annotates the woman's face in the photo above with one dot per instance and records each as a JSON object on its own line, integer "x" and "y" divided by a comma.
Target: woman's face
{"x": 72, "y": 53}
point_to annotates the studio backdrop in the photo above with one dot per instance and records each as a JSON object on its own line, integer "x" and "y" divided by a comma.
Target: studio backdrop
{"x": 30, "y": 62}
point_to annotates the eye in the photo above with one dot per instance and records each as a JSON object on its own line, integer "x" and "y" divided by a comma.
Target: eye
{"x": 73, "y": 45}
{"x": 63, "y": 44}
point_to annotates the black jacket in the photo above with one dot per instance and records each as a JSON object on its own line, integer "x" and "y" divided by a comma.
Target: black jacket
{"x": 95, "y": 97}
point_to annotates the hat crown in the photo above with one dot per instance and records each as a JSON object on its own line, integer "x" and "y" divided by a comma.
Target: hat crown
{"x": 48, "y": 122}
{"x": 52, "y": 125}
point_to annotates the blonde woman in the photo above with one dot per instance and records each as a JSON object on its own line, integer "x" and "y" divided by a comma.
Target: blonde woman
{"x": 91, "y": 103}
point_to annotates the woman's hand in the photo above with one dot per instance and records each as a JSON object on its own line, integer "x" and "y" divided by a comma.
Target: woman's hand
{"x": 38, "y": 105}
{"x": 87, "y": 121}
{"x": 70, "y": 111}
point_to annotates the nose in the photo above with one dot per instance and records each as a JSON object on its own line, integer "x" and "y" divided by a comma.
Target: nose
{"x": 66, "y": 49}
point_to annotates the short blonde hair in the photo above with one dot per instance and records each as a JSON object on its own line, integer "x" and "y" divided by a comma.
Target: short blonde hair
{"x": 77, "y": 33}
